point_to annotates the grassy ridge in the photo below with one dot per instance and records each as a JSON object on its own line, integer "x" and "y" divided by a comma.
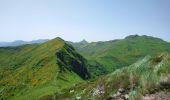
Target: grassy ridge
{"x": 30, "y": 71}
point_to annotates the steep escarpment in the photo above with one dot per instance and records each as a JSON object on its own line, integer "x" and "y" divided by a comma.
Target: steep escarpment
{"x": 68, "y": 59}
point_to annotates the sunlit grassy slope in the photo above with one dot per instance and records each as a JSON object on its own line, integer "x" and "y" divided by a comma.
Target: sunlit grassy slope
{"x": 30, "y": 71}
{"x": 149, "y": 75}
{"x": 119, "y": 53}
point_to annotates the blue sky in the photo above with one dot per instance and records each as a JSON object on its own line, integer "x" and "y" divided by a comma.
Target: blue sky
{"x": 74, "y": 20}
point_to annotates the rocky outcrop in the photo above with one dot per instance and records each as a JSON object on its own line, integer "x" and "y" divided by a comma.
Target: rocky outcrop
{"x": 157, "y": 96}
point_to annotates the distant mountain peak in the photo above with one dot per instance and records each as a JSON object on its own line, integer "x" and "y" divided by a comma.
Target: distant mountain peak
{"x": 58, "y": 38}
{"x": 132, "y": 36}
{"x": 143, "y": 36}
{"x": 18, "y": 41}
{"x": 83, "y": 41}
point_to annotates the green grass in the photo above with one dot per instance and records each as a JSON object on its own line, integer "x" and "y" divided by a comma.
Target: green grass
{"x": 49, "y": 88}
{"x": 31, "y": 71}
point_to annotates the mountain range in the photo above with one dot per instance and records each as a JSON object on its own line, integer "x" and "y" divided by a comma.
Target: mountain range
{"x": 61, "y": 70}
{"x": 107, "y": 56}
{"x": 21, "y": 42}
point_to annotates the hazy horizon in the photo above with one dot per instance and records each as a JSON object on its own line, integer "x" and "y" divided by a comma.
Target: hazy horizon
{"x": 75, "y": 20}
{"x": 78, "y": 41}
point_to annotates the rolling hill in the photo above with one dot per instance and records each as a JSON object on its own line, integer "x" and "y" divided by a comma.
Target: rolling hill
{"x": 108, "y": 56}
{"x": 31, "y": 71}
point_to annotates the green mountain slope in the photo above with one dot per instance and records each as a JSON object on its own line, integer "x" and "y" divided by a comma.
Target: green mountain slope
{"x": 150, "y": 75}
{"x": 31, "y": 71}
{"x": 119, "y": 53}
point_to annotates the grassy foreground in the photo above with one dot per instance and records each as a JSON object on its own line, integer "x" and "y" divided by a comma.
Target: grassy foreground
{"x": 146, "y": 76}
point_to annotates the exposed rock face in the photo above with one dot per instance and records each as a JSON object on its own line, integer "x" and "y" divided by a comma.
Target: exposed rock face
{"x": 72, "y": 61}
{"x": 99, "y": 90}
